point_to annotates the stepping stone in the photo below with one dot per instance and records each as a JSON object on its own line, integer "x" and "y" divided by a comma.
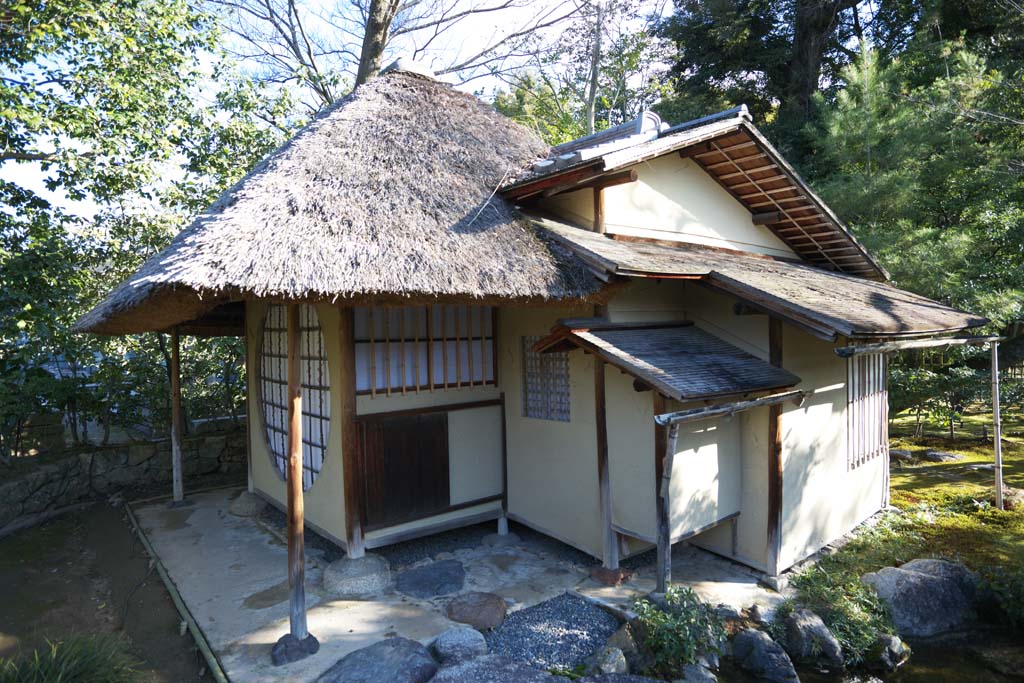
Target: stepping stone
{"x": 395, "y": 660}
{"x": 493, "y": 669}
{"x": 358, "y": 579}
{"x": 482, "y": 611}
{"x": 941, "y": 456}
{"x": 432, "y": 580}
{"x": 458, "y": 644}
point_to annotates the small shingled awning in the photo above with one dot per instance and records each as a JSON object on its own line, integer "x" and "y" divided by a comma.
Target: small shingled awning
{"x": 678, "y": 359}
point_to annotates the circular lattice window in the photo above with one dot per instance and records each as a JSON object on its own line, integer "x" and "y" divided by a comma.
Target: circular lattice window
{"x": 316, "y": 404}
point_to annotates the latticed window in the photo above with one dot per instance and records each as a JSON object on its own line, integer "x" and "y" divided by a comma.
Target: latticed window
{"x": 315, "y": 379}
{"x": 415, "y": 348}
{"x": 545, "y": 383}
{"x": 867, "y": 409}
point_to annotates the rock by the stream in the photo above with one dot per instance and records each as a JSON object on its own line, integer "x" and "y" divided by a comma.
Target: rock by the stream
{"x": 941, "y": 456}
{"x": 617, "y": 678}
{"x": 756, "y": 653}
{"x": 637, "y": 658}
{"x": 887, "y": 654}
{"x": 356, "y": 579}
{"x": 697, "y": 673}
{"x": 901, "y": 455}
{"x": 490, "y": 669}
{"x": 808, "y": 640}
{"x": 926, "y": 597}
{"x": 396, "y": 660}
{"x": 483, "y": 611}
{"x": 432, "y": 580}
{"x": 1003, "y": 659}
{"x": 607, "y": 660}
{"x": 457, "y": 644}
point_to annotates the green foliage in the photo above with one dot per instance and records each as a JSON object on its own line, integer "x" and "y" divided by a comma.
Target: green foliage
{"x": 1006, "y": 584}
{"x": 93, "y": 659}
{"x": 681, "y": 632}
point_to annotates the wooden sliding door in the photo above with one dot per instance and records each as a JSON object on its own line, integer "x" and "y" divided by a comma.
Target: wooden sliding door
{"x": 404, "y": 468}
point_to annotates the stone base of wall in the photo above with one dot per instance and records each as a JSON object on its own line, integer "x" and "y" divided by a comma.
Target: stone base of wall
{"x": 129, "y": 469}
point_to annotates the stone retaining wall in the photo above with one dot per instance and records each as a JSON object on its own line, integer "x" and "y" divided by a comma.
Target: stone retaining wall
{"x": 129, "y": 469}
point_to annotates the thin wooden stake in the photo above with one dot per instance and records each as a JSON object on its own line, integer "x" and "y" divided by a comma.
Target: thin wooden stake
{"x": 177, "y": 485}
{"x": 296, "y": 512}
{"x": 997, "y": 425}
{"x": 664, "y": 503}
{"x": 373, "y": 353}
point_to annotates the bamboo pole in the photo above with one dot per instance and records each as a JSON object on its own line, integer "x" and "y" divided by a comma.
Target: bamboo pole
{"x": 176, "y": 465}
{"x": 997, "y": 427}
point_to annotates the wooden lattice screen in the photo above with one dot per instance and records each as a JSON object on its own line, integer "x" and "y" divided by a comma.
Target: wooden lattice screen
{"x": 316, "y": 395}
{"x": 867, "y": 408}
{"x": 545, "y": 383}
{"x": 422, "y": 348}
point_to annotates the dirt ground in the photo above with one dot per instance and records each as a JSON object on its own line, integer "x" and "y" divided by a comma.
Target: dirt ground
{"x": 86, "y": 572}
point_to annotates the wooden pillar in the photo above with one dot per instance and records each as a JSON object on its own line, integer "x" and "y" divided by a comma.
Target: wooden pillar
{"x": 296, "y": 511}
{"x": 774, "y": 531}
{"x": 609, "y": 545}
{"x": 664, "y": 508}
{"x": 354, "y": 546}
{"x": 178, "y": 486}
{"x": 599, "y": 210}
{"x": 997, "y": 426}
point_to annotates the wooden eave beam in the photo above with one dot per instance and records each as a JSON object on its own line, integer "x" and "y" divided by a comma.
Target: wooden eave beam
{"x": 559, "y": 182}
{"x": 600, "y": 182}
{"x": 905, "y": 345}
{"x": 730, "y": 408}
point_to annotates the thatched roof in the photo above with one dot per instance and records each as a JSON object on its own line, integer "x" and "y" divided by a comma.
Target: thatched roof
{"x": 388, "y": 195}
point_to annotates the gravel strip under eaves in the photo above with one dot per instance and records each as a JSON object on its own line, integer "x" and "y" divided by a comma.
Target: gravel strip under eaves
{"x": 558, "y": 633}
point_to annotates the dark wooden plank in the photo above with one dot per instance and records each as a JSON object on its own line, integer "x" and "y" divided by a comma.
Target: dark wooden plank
{"x": 405, "y": 468}
{"x": 610, "y": 550}
{"x": 177, "y": 486}
{"x": 599, "y": 210}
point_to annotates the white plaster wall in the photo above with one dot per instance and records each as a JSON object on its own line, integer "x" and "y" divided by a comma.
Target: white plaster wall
{"x": 552, "y": 466}
{"x": 631, "y": 456}
{"x": 673, "y": 199}
{"x": 822, "y": 499}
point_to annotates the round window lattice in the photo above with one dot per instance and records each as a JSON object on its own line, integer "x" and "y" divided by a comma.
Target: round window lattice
{"x": 316, "y": 404}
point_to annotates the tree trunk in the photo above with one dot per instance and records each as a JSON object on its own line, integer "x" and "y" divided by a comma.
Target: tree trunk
{"x": 375, "y": 38}
{"x": 595, "y": 68}
{"x": 813, "y": 26}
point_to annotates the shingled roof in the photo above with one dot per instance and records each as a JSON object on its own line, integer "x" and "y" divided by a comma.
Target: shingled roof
{"x": 388, "y": 195}
{"x": 825, "y": 303}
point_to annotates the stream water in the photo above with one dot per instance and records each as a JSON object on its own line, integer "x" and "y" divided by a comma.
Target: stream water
{"x": 932, "y": 662}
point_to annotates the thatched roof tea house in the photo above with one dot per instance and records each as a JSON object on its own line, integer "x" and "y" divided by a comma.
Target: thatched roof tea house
{"x": 414, "y": 274}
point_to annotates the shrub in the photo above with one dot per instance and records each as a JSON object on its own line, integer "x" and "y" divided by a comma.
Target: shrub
{"x": 92, "y": 659}
{"x": 678, "y": 632}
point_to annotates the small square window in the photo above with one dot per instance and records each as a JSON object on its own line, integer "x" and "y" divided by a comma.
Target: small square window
{"x": 545, "y": 383}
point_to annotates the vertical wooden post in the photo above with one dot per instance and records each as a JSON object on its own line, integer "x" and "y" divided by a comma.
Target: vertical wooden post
{"x": 997, "y": 426}
{"x": 774, "y": 532}
{"x": 350, "y": 456}
{"x": 176, "y": 465}
{"x": 599, "y": 210}
{"x": 296, "y": 511}
{"x": 609, "y": 546}
{"x": 664, "y": 504}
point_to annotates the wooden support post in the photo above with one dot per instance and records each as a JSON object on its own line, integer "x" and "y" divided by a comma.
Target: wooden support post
{"x": 774, "y": 531}
{"x": 503, "y": 520}
{"x": 609, "y": 545}
{"x": 599, "y": 210}
{"x": 298, "y": 643}
{"x": 664, "y": 505}
{"x": 350, "y": 455}
{"x": 176, "y": 419}
{"x": 997, "y": 427}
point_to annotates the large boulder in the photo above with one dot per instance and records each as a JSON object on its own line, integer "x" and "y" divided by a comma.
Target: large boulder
{"x": 606, "y": 660}
{"x": 349, "y": 579}
{"x": 755, "y": 652}
{"x": 395, "y": 660}
{"x": 926, "y": 597}
{"x": 432, "y": 580}
{"x": 490, "y": 669}
{"x": 457, "y": 644}
{"x": 482, "y": 611}
{"x": 698, "y": 673}
{"x": 887, "y": 654}
{"x": 808, "y": 640}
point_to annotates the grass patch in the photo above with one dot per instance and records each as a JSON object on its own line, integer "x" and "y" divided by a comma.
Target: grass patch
{"x": 92, "y": 659}
{"x": 943, "y": 510}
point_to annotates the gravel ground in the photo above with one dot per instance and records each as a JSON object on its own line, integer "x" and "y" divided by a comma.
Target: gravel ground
{"x": 558, "y": 633}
